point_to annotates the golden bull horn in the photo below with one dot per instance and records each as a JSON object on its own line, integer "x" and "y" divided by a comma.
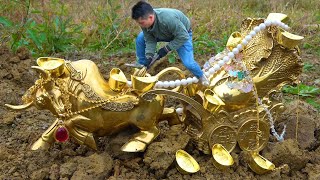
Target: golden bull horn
{"x": 41, "y": 71}
{"x": 19, "y": 107}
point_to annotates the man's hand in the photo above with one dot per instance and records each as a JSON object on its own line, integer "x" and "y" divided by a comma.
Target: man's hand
{"x": 163, "y": 51}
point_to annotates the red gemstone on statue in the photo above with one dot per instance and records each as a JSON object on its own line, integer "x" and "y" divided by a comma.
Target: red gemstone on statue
{"x": 62, "y": 134}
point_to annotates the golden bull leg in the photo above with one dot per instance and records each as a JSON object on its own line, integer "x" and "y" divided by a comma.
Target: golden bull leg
{"x": 140, "y": 140}
{"x": 46, "y": 139}
{"x": 83, "y": 137}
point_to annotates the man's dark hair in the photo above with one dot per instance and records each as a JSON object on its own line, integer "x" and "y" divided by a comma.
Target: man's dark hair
{"x": 141, "y": 10}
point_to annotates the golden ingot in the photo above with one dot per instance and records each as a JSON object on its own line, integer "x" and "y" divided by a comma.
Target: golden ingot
{"x": 288, "y": 40}
{"x": 186, "y": 163}
{"x": 143, "y": 84}
{"x": 259, "y": 164}
{"x": 278, "y": 16}
{"x": 211, "y": 101}
{"x": 134, "y": 146}
{"x": 117, "y": 80}
{"x": 221, "y": 157}
{"x": 55, "y": 66}
{"x": 234, "y": 39}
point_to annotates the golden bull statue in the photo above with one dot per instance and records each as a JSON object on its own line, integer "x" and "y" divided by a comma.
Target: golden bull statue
{"x": 238, "y": 107}
{"x": 86, "y": 105}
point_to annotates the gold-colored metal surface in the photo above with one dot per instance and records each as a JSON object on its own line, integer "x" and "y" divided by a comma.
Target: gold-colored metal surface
{"x": 278, "y": 16}
{"x": 117, "y": 79}
{"x": 226, "y": 112}
{"x": 248, "y": 132}
{"x": 85, "y": 103}
{"x": 143, "y": 84}
{"x": 211, "y": 101}
{"x": 288, "y": 40}
{"x": 54, "y": 65}
{"x": 186, "y": 163}
{"x": 221, "y": 157}
{"x": 224, "y": 135}
{"x": 259, "y": 164}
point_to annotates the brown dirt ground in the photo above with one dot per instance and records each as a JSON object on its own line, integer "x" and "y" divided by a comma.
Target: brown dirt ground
{"x": 18, "y": 130}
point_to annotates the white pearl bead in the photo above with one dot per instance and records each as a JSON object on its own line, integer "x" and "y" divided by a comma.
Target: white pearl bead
{"x": 178, "y": 82}
{"x": 165, "y": 84}
{"x": 129, "y": 83}
{"x": 160, "y": 84}
{"x": 286, "y": 27}
{"x": 231, "y": 55}
{"x": 221, "y": 63}
{"x": 235, "y": 51}
{"x": 267, "y": 22}
{"x": 195, "y": 80}
{"x": 189, "y": 80}
{"x": 226, "y": 58}
{"x": 256, "y": 29}
{"x": 252, "y": 33}
{"x": 216, "y": 67}
{"x": 212, "y": 70}
{"x": 172, "y": 84}
{"x": 248, "y": 37}
{"x": 239, "y": 46}
{"x": 184, "y": 82}
{"x": 262, "y": 26}
{"x": 207, "y": 74}
{"x": 179, "y": 111}
{"x": 273, "y": 22}
{"x": 244, "y": 42}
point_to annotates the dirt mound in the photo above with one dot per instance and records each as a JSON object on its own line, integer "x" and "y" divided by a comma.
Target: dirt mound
{"x": 18, "y": 130}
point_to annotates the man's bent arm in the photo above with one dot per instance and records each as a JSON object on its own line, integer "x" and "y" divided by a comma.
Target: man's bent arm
{"x": 151, "y": 43}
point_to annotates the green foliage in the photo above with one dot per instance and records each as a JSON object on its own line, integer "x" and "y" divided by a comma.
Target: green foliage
{"x": 314, "y": 103}
{"x": 206, "y": 45}
{"x": 302, "y": 90}
{"x": 54, "y": 34}
{"x": 111, "y": 34}
{"x": 309, "y": 93}
{"x": 308, "y": 67}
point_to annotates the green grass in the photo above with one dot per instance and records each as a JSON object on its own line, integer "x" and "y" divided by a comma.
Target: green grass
{"x": 106, "y": 27}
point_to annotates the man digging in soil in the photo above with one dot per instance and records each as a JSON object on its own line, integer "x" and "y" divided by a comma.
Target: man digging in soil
{"x": 164, "y": 25}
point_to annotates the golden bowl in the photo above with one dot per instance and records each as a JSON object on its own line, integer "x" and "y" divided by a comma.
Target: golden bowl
{"x": 55, "y": 66}
{"x": 221, "y": 157}
{"x": 143, "y": 84}
{"x": 211, "y": 101}
{"x": 288, "y": 40}
{"x": 117, "y": 79}
{"x": 259, "y": 164}
{"x": 186, "y": 163}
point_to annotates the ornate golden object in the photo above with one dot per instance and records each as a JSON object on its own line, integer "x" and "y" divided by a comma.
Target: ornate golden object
{"x": 237, "y": 108}
{"x": 221, "y": 157}
{"x": 117, "y": 79}
{"x": 288, "y": 40}
{"x": 259, "y": 164}
{"x": 85, "y": 104}
{"x": 186, "y": 163}
{"x": 55, "y": 66}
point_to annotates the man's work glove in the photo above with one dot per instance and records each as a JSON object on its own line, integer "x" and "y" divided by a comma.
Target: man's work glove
{"x": 163, "y": 52}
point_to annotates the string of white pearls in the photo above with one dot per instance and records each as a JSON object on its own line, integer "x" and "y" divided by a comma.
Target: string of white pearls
{"x": 224, "y": 60}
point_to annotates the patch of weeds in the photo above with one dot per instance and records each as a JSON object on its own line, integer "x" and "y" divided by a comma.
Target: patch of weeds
{"x": 309, "y": 93}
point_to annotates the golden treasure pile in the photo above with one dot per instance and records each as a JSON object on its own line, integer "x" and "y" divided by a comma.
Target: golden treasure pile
{"x": 237, "y": 108}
